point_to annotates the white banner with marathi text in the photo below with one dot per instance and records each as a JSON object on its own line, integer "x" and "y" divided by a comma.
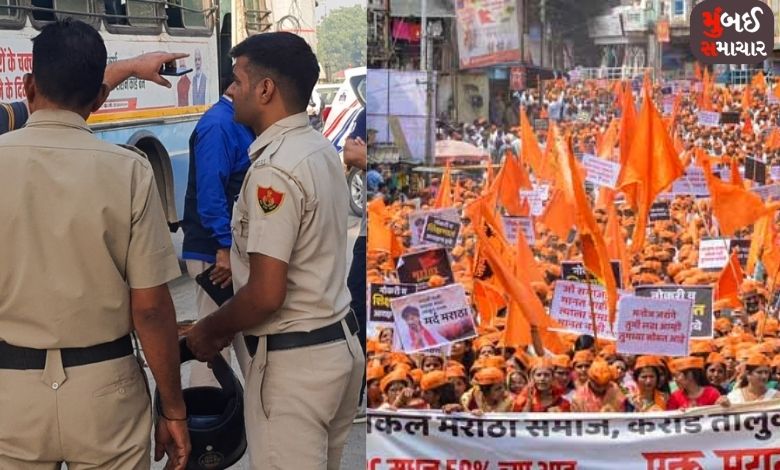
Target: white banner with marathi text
{"x": 741, "y": 437}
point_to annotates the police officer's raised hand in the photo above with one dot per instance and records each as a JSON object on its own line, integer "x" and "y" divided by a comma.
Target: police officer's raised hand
{"x": 221, "y": 274}
{"x": 172, "y": 439}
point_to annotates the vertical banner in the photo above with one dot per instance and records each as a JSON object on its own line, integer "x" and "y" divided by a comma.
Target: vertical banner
{"x": 487, "y": 32}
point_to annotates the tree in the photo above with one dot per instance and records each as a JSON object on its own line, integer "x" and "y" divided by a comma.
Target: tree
{"x": 341, "y": 39}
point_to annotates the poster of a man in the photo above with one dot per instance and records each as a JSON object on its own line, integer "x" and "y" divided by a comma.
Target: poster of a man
{"x": 432, "y": 318}
{"x": 198, "y": 81}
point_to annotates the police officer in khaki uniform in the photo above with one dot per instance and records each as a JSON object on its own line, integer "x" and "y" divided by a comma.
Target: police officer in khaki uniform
{"x": 289, "y": 268}
{"x": 86, "y": 258}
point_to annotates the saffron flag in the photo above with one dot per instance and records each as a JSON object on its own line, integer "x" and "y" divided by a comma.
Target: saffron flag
{"x": 651, "y": 167}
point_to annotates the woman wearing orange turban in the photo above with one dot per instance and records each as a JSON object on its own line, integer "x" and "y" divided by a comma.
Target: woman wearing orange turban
{"x": 542, "y": 394}
{"x": 692, "y": 389}
{"x": 648, "y": 396}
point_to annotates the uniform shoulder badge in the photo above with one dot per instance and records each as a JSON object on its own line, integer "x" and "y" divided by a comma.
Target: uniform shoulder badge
{"x": 269, "y": 198}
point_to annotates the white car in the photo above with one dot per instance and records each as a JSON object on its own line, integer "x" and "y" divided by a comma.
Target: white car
{"x": 347, "y": 103}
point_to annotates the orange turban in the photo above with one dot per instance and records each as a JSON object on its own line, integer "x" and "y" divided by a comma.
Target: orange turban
{"x": 700, "y": 347}
{"x": 394, "y": 376}
{"x": 453, "y": 372}
{"x": 495, "y": 361}
{"x": 489, "y": 376}
{"x": 715, "y": 358}
{"x": 416, "y": 375}
{"x": 684, "y": 363}
{"x": 432, "y": 380}
{"x": 561, "y": 360}
{"x": 758, "y": 360}
{"x": 375, "y": 373}
{"x": 647, "y": 361}
{"x": 600, "y": 372}
{"x": 584, "y": 355}
{"x": 481, "y": 342}
{"x": 542, "y": 363}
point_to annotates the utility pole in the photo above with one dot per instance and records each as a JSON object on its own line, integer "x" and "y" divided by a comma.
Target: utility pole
{"x": 543, "y": 19}
{"x": 429, "y": 157}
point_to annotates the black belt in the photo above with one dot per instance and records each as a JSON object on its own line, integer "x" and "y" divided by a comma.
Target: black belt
{"x": 326, "y": 334}
{"x": 21, "y": 358}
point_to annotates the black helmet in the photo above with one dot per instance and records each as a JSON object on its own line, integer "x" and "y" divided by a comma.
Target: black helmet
{"x": 215, "y": 417}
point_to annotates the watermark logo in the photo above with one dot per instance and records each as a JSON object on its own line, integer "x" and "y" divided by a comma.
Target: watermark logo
{"x": 732, "y": 31}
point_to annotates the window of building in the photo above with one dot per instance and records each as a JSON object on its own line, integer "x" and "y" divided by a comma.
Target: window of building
{"x": 678, "y": 8}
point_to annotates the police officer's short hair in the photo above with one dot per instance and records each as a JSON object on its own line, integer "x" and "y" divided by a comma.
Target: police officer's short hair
{"x": 69, "y": 61}
{"x": 285, "y": 58}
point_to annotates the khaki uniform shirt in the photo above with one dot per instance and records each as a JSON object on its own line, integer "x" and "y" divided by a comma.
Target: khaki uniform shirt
{"x": 293, "y": 207}
{"x": 82, "y": 223}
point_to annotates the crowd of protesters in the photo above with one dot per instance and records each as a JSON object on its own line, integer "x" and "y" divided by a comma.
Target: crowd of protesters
{"x": 578, "y": 373}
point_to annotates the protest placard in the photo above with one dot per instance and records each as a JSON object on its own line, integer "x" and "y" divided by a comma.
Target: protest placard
{"x": 668, "y": 104}
{"x": 441, "y": 231}
{"x": 433, "y": 318}
{"x": 571, "y": 308}
{"x": 417, "y": 221}
{"x": 729, "y": 118}
{"x": 692, "y": 183}
{"x": 653, "y": 326}
{"x": 774, "y": 173}
{"x": 701, "y": 320}
{"x": 381, "y": 294}
{"x": 714, "y": 253}
{"x": 755, "y": 170}
{"x": 513, "y": 224}
{"x": 583, "y": 117}
{"x": 769, "y": 191}
{"x": 543, "y": 189}
{"x": 743, "y": 249}
{"x": 419, "y": 267}
{"x": 709, "y": 118}
{"x": 575, "y": 271}
{"x": 660, "y": 211}
{"x": 540, "y": 124}
{"x": 601, "y": 172}
{"x": 535, "y": 201}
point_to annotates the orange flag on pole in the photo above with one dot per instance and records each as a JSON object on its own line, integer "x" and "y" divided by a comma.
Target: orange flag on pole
{"x": 444, "y": 194}
{"x": 606, "y": 145}
{"x": 747, "y": 127}
{"x": 613, "y": 235}
{"x": 532, "y": 153}
{"x": 513, "y": 178}
{"x": 747, "y": 98}
{"x": 558, "y": 216}
{"x": 729, "y": 280}
{"x": 759, "y": 81}
{"x": 594, "y": 250}
{"x": 736, "y": 178}
{"x": 733, "y": 206}
{"x": 773, "y": 141}
{"x": 380, "y": 236}
{"x": 651, "y": 166}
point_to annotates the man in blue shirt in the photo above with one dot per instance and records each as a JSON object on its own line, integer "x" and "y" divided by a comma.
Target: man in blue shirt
{"x": 218, "y": 163}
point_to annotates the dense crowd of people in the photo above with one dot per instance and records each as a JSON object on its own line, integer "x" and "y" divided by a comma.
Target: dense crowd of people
{"x": 561, "y": 372}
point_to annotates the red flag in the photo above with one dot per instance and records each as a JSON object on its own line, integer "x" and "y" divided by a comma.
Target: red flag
{"x": 651, "y": 166}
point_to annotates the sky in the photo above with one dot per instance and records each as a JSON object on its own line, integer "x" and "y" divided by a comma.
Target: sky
{"x": 327, "y": 5}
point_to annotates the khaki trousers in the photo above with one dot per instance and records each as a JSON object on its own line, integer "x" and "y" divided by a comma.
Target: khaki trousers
{"x": 300, "y": 403}
{"x": 96, "y": 416}
{"x": 200, "y": 374}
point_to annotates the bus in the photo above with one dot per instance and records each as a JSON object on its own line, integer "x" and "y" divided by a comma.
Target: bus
{"x": 155, "y": 119}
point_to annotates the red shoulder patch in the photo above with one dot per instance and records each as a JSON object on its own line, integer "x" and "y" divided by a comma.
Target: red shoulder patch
{"x": 269, "y": 199}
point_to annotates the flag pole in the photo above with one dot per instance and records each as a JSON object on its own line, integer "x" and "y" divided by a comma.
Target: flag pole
{"x": 588, "y": 280}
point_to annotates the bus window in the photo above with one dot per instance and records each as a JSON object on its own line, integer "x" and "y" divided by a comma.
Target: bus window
{"x": 45, "y": 11}
{"x": 136, "y": 16}
{"x": 258, "y": 16}
{"x": 188, "y": 16}
{"x": 9, "y": 16}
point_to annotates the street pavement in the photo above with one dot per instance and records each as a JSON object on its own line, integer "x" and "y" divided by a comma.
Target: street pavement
{"x": 182, "y": 290}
